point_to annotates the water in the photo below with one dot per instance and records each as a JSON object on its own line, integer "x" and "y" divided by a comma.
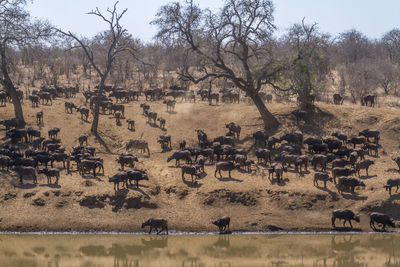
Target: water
{"x": 97, "y": 250}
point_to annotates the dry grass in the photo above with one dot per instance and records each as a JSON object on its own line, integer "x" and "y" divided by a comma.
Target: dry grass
{"x": 251, "y": 200}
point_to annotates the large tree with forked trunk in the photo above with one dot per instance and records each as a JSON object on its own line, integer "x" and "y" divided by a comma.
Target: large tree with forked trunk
{"x": 17, "y": 30}
{"x": 114, "y": 41}
{"x": 234, "y": 43}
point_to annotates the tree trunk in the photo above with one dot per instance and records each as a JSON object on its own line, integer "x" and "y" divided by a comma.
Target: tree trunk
{"x": 270, "y": 122}
{"x": 385, "y": 86}
{"x": 305, "y": 101}
{"x": 96, "y": 114}
{"x": 8, "y": 84}
{"x": 95, "y": 123}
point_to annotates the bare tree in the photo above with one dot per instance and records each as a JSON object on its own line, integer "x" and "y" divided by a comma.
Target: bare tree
{"x": 115, "y": 40}
{"x": 353, "y": 46}
{"x": 360, "y": 79}
{"x": 387, "y": 75}
{"x": 388, "y": 61}
{"x": 235, "y": 43}
{"x": 17, "y": 30}
{"x": 391, "y": 43}
{"x": 354, "y": 57}
{"x": 309, "y": 64}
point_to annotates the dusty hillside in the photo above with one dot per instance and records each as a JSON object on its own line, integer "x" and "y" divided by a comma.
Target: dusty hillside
{"x": 253, "y": 202}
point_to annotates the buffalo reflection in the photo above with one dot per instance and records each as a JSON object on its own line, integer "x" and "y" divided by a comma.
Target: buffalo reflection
{"x": 200, "y": 250}
{"x": 223, "y": 249}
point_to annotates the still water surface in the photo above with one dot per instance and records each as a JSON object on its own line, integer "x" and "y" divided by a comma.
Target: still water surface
{"x": 199, "y": 250}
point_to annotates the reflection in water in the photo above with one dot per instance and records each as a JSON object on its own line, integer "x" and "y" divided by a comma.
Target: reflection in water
{"x": 200, "y": 250}
{"x": 155, "y": 242}
{"x": 343, "y": 247}
{"x": 192, "y": 262}
{"x": 93, "y": 250}
{"x": 223, "y": 241}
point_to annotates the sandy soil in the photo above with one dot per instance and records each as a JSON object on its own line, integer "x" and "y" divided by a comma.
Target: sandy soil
{"x": 254, "y": 202}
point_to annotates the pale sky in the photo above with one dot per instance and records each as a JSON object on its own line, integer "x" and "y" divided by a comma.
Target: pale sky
{"x": 373, "y": 18}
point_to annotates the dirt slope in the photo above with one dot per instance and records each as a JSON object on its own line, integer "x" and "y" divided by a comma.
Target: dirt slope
{"x": 253, "y": 202}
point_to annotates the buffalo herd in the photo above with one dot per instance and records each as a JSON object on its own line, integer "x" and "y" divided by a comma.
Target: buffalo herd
{"x": 336, "y": 159}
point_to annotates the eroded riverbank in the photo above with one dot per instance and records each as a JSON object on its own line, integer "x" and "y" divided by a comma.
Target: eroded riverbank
{"x": 253, "y": 200}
